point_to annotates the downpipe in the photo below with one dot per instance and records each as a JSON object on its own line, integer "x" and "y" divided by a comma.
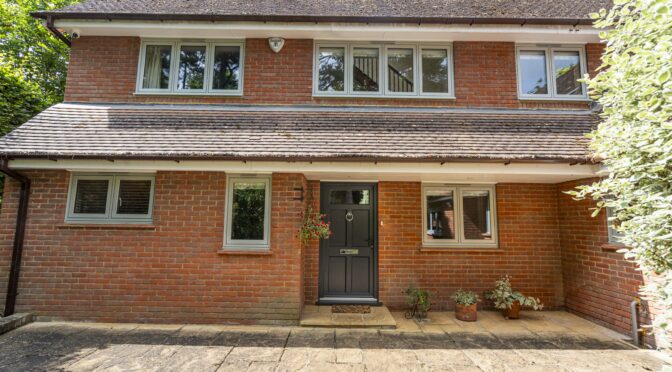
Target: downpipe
{"x": 634, "y": 321}
{"x": 19, "y": 234}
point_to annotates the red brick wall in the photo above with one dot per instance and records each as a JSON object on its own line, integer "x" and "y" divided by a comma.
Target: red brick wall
{"x": 529, "y": 248}
{"x": 169, "y": 273}
{"x": 599, "y": 283}
{"x": 103, "y": 69}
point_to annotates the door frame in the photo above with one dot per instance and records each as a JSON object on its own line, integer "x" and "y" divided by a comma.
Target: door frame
{"x": 324, "y": 185}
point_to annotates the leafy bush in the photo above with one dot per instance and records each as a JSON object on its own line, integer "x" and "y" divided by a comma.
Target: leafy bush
{"x": 634, "y": 139}
{"x": 503, "y": 296}
{"x": 465, "y": 298}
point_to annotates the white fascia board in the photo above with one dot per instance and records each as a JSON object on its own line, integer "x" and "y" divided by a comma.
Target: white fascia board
{"x": 339, "y": 171}
{"x": 334, "y": 31}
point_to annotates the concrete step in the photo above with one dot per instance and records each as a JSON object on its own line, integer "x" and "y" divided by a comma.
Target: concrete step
{"x": 321, "y": 316}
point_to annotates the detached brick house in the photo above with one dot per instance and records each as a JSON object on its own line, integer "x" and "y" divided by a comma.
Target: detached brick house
{"x": 438, "y": 138}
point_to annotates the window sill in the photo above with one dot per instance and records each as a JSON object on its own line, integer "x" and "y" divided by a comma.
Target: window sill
{"x": 244, "y": 252}
{"x": 106, "y": 226}
{"x": 358, "y": 96}
{"x": 189, "y": 94}
{"x": 612, "y": 247}
{"x": 555, "y": 99}
{"x": 459, "y": 249}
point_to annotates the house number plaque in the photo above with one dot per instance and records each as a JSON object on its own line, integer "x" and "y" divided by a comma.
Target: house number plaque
{"x": 349, "y": 251}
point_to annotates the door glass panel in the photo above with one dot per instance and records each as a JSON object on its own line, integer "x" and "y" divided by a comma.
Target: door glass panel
{"x": 226, "y": 68}
{"x": 476, "y": 215}
{"x": 191, "y": 72}
{"x": 360, "y": 197}
{"x": 248, "y": 211}
{"x": 533, "y": 72}
{"x": 435, "y": 71}
{"x": 400, "y": 70}
{"x": 331, "y": 69}
{"x": 440, "y": 216}
{"x": 365, "y": 74}
{"x": 567, "y": 73}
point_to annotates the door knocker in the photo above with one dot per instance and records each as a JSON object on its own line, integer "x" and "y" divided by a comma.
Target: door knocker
{"x": 349, "y": 216}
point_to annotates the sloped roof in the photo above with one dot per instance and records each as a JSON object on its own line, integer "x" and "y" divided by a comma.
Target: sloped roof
{"x": 430, "y": 11}
{"x": 299, "y": 133}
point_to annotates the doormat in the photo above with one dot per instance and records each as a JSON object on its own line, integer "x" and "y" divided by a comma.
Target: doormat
{"x": 352, "y": 309}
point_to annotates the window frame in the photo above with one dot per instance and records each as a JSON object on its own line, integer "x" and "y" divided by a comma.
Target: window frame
{"x": 460, "y": 241}
{"x": 613, "y": 235}
{"x": 237, "y": 244}
{"x": 175, "y": 63}
{"x": 383, "y": 92}
{"x": 549, "y": 53}
{"x": 110, "y": 216}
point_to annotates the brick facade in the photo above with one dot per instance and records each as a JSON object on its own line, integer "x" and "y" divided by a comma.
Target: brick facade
{"x": 103, "y": 69}
{"x": 169, "y": 272}
{"x": 598, "y": 283}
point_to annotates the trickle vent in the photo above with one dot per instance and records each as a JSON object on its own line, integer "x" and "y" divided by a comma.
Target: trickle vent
{"x": 134, "y": 196}
{"x": 91, "y": 197}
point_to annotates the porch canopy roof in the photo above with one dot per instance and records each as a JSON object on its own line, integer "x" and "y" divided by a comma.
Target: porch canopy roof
{"x": 378, "y": 11}
{"x": 301, "y": 133}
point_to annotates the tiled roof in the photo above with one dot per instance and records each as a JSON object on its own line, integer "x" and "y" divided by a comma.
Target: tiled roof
{"x": 371, "y": 10}
{"x": 299, "y": 133}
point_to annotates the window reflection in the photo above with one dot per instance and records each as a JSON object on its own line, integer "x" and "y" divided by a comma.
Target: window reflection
{"x": 331, "y": 69}
{"x": 191, "y": 72}
{"x": 365, "y": 72}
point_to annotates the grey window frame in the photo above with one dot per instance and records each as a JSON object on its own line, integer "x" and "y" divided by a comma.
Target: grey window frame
{"x": 383, "y": 92}
{"x": 549, "y": 53}
{"x": 237, "y": 244}
{"x": 110, "y": 216}
{"x": 174, "y": 66}
{"x": 460, "y": 241}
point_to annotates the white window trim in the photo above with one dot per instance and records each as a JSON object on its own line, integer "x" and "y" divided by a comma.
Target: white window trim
{"x": 549, "y": 52}
{"x": 175, "y": 63}
{"x": 460, "y": 241}
{"x": 234, "y": 244}
{"x": 384, "y": 89}
{"x": 110, "y": 216}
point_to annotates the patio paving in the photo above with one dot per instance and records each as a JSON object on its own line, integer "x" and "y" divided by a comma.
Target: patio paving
{"x": 543, "y": 341}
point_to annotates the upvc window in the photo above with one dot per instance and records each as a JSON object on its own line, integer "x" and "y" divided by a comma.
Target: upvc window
{"x": 248, "y": 211}
{"x": 174, "y": 67}
{"x": 459, "y": 216}
{"x": 551, "y": 72}
{"x": 110, "y": 198}
{"x": 383, "y": 70}
{"x": 614, "y": 235}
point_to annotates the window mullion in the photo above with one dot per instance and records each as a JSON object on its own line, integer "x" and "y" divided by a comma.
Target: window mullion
{"x": 550, "y": 68}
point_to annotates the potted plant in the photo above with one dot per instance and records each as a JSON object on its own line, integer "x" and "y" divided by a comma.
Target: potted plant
{"x": 510, "y": 301}
{"x": 465, "y": 305}
{"x": 419, "y": 302}
{"x": 314, "y": 226}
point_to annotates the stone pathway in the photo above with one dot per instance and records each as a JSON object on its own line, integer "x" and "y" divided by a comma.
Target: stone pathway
{"x": 441, "y": 344}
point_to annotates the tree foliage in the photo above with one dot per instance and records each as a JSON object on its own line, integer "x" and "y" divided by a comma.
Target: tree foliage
{"x": 634, "y": 139}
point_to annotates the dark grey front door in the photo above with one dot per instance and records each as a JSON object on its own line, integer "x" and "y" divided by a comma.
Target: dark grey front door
{"x": 348, "y": 258}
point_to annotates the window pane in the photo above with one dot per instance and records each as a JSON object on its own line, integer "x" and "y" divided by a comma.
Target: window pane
{"x": 226, "y": 68}
{"x": 476, "y": 215}
{"x": 134, "y": 197}
{"x": 331, "y": 69}
{"x": 532, "y": 67}
{"x": 91, "y": 196}
{"x": 435, "y": 71}
{"x": 614, "y": 235}
{"x": 248, "y": 211}
{"x": 400, "y": 70}
{"x": 157, "y": 67}
{"x": 567, "y": 73}
{"x": 365, "y": 72}
{"x": 192, "y": 67}
{"x": 440, "y": 216}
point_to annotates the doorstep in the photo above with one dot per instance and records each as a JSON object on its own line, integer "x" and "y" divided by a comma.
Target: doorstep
{"x": 321, "y": 316}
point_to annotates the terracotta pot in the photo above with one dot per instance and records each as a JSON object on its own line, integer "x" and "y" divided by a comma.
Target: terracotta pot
{"x": 513, "y": 312}
{"x": 465, "y": 313}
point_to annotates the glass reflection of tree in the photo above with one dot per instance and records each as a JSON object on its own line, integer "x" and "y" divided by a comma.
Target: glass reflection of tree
{"x": 435, "y": 74}
{"x": 331, "y": 72}
{"x": 192, "y": 68}
{"x": 248, "y": 214}
{"x": 226, "y": 67}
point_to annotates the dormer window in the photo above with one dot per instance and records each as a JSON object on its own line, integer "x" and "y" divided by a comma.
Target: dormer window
{"x": 204, "y": 68}
{"x": 383, "y": 70}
